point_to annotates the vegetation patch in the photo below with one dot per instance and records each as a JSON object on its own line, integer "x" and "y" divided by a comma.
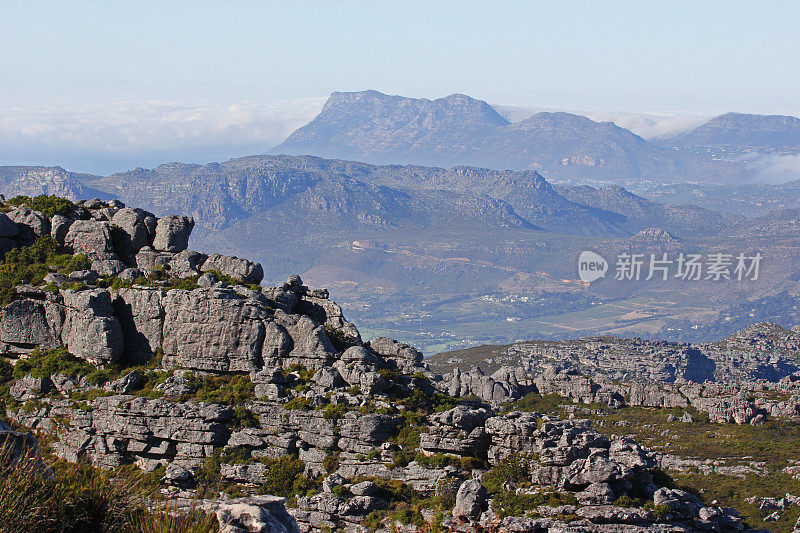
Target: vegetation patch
{"x": 30, "y": 264}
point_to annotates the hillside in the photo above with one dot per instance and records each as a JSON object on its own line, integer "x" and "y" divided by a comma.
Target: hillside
{"x": 458, "y": 130}
{"x": 771, "y": 133}
{"x": 201, "y": 391}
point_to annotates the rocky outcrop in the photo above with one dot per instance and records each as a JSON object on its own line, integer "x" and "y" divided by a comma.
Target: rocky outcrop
{"x": 172, "y": 233}
{"x": 249, "y": 375}
{"x": 245, "y": 271}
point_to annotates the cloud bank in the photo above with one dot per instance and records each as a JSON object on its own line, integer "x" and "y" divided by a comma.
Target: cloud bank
{"x": 106, "y": 137}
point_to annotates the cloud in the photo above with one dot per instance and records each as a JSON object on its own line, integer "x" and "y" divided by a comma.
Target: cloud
{"x": 650, "y": 126}
{"x": 775, "y": 168}
{"x": 101, "y": 136}
{"x": 645, "y": 125}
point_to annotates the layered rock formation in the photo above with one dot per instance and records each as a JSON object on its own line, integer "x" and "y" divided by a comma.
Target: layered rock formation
{"x": 180, "y": 363}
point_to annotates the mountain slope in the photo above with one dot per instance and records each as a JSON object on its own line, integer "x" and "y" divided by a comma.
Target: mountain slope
{"x": 765, "y": 132}
{"x": 458, "y": 130}
{"x": 393, "y": 128}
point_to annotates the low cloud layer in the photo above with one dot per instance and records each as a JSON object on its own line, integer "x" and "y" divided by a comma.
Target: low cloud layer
{"x": 774, "y": 168}
{"x": 108, "y": 137}
{"x": 650, "y": 126}
{"x": 642, "y": 124}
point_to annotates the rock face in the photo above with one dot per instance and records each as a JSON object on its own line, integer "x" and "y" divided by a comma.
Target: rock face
{"x": 470, "y": 500}
{"x": 289, "y": 378}
{"x": 245, "y": 271}
{"x": 261, "y": 514}
{"x": 172, "y": 233}
{"x": 91, "y": 331}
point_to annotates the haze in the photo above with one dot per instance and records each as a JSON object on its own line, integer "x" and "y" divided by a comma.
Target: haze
{"x": 103, "y": 87}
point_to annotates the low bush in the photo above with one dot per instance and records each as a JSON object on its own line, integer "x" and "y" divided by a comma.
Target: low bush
{"x": 48, "y": 205}
{"x": 79, "y": 497}
{"x": 514, "y": 469}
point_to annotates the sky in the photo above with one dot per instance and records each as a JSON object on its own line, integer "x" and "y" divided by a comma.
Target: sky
{"x": 105, "y": 86}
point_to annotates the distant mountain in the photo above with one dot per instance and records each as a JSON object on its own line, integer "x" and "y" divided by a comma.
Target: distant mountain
{"x": 640, "y": 212}
{"x": 220, "y": 194}
{"x": 458, "y": 130}
{"x": 34, "y": 180}
{"x": 764, "y": 132}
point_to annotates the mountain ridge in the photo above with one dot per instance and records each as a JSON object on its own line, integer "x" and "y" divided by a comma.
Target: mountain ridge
{"x": 459, "y": 130}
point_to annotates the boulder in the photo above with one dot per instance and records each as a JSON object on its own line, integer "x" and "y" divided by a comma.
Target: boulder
{"x": 214, "y": 330}
{"x": 91, "y": 331}
{"x": 29, "y": 387}
{"x": 247, "y": 272}
{"x": 172, "y": 233}
{"x": 406, "y": 357}
{"x": 141, "y": 316}
{"x": 29, "y": 323}
{"x": 108, "y": 267}
{"x": 186, "y": 263}
{"x": 8, "y": 228}
{"x": 30, "y": 223}
{"x": 255, "y": 514}
{"x": 134, "y": 232}
{"x": 59, "y": 226}
{"x": 470, "y": 500}
{"x": 89, "y": 237}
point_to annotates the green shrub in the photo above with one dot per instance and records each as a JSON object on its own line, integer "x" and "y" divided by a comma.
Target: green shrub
{"x": 509, "y": 503}
{"x": 281, "y": 475}
{"x": 30, "y": 264}
{"x": 535, "y": 402}
{"x": 43, "y": 364}
{"x": 299, "y": 402}
{"x": 79, "y": 497}
{"x": 229, "y": 390}
{"x": 334, "y": 412}
{"x": 224, "y": 278}
{"x": 331, "y": 462}
{"x": 627, "y": 501}
{"x": 514, "y": 469}
{"x": 244, "y": 417}
{"x": 48, "y": 205}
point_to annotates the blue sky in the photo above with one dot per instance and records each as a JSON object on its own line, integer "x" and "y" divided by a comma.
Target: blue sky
{"x": 150, "y": 80}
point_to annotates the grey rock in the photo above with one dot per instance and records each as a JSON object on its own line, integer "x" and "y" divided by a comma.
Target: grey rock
{"x": 186, "y": 263}
{"x": 215, "y": 330}
{"x": 206, "y": 281}
{"x": 178, "y": 475}
{"x": 29, "y": 387}
{"x": 127, "y": 383}
{"x": 172, "y": 233}
{"x": 94, "y": 203}
{"x": 406, "y": 357}
{"x": 141, "y": 316}
{"x": 89, "y": 237}
{"x": 30, "y": 223}
{"x": 365, "y": 488}
{"x": 89, "y": 277}
{"x": 135, "y": 235}
{"x": 59, "y": 226}
{"x": 8, "y": 228}
{"x": 91, "y": 331}
{"x": 108, "y": 267}
{"x": 130, "y": 275}
{"x": 28, "y": 323}
{"x": 55, "y": 277}
{"x": 246, "y": 271}
{"x": 255, "y": 514}
{"x": 328, "y": 378}
{"x": 470, "y": 500}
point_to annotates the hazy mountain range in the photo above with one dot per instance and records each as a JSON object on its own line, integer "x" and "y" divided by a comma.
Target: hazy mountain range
{"x": 449, "y": 253}
{"x": 459, "y": 130}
